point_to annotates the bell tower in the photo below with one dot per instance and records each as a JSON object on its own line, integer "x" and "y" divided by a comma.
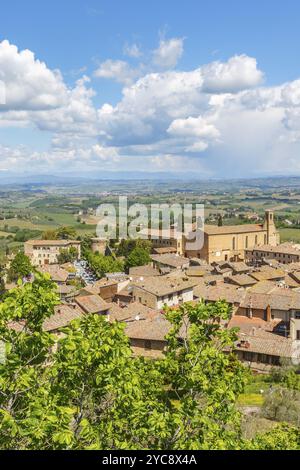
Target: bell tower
{"x": 269, "y": 225}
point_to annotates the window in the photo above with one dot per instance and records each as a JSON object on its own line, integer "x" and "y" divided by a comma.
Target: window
{"x": 265, "y": 239}
{"x": 275, "y": 360}
{"x": 148, "y": 344}
{"x": 298, "y": 335}
{"x": 246, "y": 242}
{"x": 247, "y": 356}
{"x": 255, "y": 239}
{"x": 233, "y": 243}
{"x": 263, "y": 358}
{"x": 297, "y": 315}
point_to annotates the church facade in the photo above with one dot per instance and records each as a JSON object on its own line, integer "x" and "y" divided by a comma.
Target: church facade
{"x": 228, "y": 243}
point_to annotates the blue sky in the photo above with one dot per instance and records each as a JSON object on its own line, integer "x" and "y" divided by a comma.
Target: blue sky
{"x": 206, "y": 86}
{"x": 71, "y": 34}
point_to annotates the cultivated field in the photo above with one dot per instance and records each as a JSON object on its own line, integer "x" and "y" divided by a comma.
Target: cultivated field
{"x": 27, "y": 212}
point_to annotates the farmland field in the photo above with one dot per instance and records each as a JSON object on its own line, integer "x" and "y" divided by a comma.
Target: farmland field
{"x": 290, "y": 234}
{"x": 5, "y": 234}
{"x": 27, "y": 211}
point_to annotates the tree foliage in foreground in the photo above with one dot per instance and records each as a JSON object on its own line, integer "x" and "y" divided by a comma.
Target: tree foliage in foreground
{"x": 19, "y": 267}
{"x": 90, "y": 393}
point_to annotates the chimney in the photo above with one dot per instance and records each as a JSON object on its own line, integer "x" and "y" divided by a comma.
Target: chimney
{"x": 268, "y": 312}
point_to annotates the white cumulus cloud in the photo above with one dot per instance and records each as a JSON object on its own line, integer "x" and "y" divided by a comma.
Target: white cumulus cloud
{"x": 28, "y": 83}
{"x": 238, "y": 73}
{"x": 168, "y": 53}
{"x": 117, "y": 70}
{"x": 132, "y": 50}
{"x": 218, "y": 116}
{"x": 193, "y": 127}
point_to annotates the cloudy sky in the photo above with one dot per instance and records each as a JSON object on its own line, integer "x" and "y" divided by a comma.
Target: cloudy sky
{"x": 207, "y": 87}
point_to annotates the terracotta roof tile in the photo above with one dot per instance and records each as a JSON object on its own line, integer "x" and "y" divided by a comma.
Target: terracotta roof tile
{"x": 172, "y": 260}
{"x": 52, "y": 242}
{"x": 230, "y": 293}
{"x": 130, "y": 312}
{"x": 56, "y": 272}
{"x": 143, "y": 271}
{"x": 64, "y": 314}
{"x": 150, "y": 329}
{"x": 257, "y": 336}
{"x": 92, "y": 303}
{"x": 241, "y": 280}
{"x": 164, "y": 285}
{"x": 226, "y": 229}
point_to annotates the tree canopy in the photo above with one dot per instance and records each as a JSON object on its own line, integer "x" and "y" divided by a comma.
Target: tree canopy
{"x": 20, "y": 267}
{"x": 62, "y": 233}
{"x": 92, "y": 393}
{"x": 139, "y": 256}
{"x": 66, "y": 233}
{"x": 67, "y": 255}
{"x": 101, "y": 264}
{"x": 126, "y": 247}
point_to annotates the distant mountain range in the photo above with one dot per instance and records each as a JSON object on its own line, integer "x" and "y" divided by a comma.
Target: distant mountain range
{"x": 10, "y": 178}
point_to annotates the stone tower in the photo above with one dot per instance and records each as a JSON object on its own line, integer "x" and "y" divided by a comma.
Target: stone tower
{"x": 99, "y": 245}
{"x": 269, "y": 225}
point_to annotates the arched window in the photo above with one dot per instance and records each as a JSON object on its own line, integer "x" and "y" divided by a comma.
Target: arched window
{"x": 255, "y": 239}
{"x": 233, "y": 243}
{"x": 246, "y": 242}
{"x": 265, "y": 239}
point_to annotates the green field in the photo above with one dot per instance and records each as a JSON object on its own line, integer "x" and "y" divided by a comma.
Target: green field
{"x": 27, "y": 224}
{"x": 59, "y": 220}
{"x": 254, "y": 391}
{"x": 43, "y": 207}
{"x": 5, "y": 234}
{"x": 251, "y": 399}
{"x": 290, "y": 234}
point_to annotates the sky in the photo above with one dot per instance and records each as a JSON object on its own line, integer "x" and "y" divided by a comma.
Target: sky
{"x": 90, "y": 86}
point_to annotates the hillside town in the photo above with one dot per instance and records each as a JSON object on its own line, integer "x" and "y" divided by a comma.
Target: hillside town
{"x": 245, "y": 265}
{"x": 149, "y": 230}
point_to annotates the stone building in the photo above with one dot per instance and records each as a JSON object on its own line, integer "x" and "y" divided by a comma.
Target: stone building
{"x": 284, "y": 253}
{"x": 229, "y": 242}
{"x": 155, "y": 293}
{"x": 99, "y": 245}
{"x": 167, "y": 240}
